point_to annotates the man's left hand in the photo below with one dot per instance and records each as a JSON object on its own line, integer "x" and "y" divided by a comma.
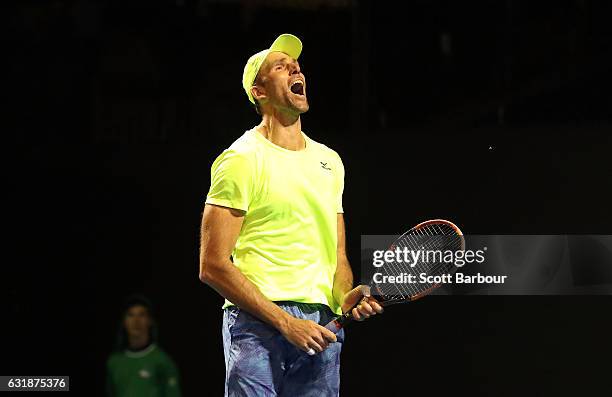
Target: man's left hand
{"x": 368, "y": 306}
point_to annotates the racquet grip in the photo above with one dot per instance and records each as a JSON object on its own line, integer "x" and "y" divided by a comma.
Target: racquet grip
{"x": 338, "y": 323}
{"x": 334, "y": 326}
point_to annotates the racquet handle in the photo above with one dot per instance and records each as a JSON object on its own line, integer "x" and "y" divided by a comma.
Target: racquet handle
{"x": 336, "y": 324}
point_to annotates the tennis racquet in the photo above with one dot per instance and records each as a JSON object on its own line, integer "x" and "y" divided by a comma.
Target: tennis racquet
{"x": 437, "y": 235}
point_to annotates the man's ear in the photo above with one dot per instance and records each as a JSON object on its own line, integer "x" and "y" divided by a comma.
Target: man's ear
{"x": 259, "y": 93}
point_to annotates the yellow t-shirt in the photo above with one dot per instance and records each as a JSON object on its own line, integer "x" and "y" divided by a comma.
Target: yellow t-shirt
{"x": 288, "y": 241}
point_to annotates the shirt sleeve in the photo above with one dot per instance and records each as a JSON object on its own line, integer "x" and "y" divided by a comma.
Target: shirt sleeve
{"x": 110, "y": 388}
{"x": 231, "y": 178}
{"x": 340, "y": 185}
{"x": 171, "y": 379}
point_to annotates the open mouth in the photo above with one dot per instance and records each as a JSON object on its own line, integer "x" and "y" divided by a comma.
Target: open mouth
{"x": 297, "y": 87}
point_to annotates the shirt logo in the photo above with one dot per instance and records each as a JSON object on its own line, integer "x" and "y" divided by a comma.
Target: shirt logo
{"x": 324, "y": 166}
{"x": 144, "y": 374}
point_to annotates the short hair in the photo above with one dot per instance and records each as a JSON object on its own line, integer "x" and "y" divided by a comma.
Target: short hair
{"x": 137, "y": 300}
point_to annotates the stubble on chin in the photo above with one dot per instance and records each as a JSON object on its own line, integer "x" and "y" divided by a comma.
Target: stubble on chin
{"x": 301, "y": 106}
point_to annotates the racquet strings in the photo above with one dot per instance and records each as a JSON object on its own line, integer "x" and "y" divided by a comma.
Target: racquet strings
{"x": 432, "y": 240}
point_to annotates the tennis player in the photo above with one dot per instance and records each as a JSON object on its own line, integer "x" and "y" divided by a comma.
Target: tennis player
{"x": 275, "y": 207}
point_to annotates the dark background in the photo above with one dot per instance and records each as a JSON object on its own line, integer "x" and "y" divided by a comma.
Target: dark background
{"x": 494, "y": 114}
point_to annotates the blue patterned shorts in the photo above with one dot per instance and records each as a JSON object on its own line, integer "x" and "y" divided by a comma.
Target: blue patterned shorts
{"x": 259, "y": 361}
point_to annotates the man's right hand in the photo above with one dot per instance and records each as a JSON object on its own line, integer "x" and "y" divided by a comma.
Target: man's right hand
{"x": 220, "y": 230}
{"x": 306, "y": 334}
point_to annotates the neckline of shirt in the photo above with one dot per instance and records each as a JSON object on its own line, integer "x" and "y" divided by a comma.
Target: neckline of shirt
{"x": 307, "y": 141}
{"x": 140, "y": 353}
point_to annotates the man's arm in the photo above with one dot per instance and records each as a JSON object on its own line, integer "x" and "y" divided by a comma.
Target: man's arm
{"x": 220, "y": 229}
{"x": 170, "y": 379}
{"x": 343, "y": 279}
{"x": 110, "y": 387}
{"x": 343, "y": 291}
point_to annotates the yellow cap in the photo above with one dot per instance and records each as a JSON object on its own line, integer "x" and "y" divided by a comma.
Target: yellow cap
{"x": 287, "y": 43}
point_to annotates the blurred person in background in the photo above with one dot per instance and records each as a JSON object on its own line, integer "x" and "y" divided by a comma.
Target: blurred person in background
{"x": 138, "y": 367}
